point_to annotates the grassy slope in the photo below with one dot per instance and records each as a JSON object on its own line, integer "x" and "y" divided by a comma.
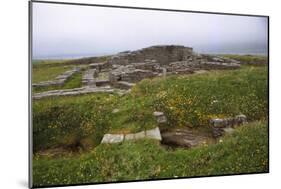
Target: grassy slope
{"x": 73, "y": 82}
{"x": 244, "y": 151}
{"x": 249, "y": 59}
{"x": 186, "y": 100}
{"x": 42, "y": 73}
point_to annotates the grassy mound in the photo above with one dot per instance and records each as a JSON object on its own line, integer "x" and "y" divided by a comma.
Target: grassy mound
{"x": 245, "y": 151}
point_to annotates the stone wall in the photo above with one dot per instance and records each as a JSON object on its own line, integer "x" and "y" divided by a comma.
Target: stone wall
{"x": 59, "y": 80}
{"x": 161, "y": 54}
{"x": 130, "y": 74}
{"x": 221, "y": 126}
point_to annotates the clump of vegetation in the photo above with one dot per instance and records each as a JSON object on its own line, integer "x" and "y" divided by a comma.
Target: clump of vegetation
{"x": 193, "y": 100}
{"x": 245, "y": 151}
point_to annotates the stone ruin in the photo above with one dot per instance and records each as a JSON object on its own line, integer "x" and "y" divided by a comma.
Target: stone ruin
{"x": 179, "y": 137}
{"x": 226, "y": 125}
{"x": 59, "y": 80}
{"x": 124, "y": 69}
{"x": 133, "y": 66}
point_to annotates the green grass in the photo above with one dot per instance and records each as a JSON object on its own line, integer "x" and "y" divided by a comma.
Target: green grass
{"x": 192, "y": 100}
{"x": 69, "y": 121}
{"x": 79, "y": 122}
{"x": 185, "y": 100}
{"x": 74, "y": 82}
{"x": 43, "y": 73}
{"x": 245, "y": 151}
{"x": 249, "y": 59}
{"x": 48, "y": 62}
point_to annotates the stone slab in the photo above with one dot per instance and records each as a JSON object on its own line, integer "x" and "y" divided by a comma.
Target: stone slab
{"x": 140, "y": 135}
{"x": 130, "y": 136}
{"x": 112, "y": 138}
{"x": 153, "y": 134}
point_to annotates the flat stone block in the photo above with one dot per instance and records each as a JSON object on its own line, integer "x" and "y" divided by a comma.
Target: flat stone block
{"x": 140, "y": 135}
{"x": 112, "y": 138}
{"x": 129, "y": 136}
{"x": 154, "y": 134}
{"x": 157, "y": 114}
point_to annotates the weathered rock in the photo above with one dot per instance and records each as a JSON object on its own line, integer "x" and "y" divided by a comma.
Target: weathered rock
{"x": 140, "y": 135}
{"x": 89, "y": 77}
{"x": 163, "y": 54}
{"x": 184, "y": 137}
{"x": 220, "y": 126}
{"x": 100, "y": 83}
{"x": 160, "y": 117}
{"x": 99, "y": 66}
{"x": 129, "y": 74}
{"x": 240, "y": 119}
{"x": 129, "y": 136}
{"x": 112, "y": 138}
{"x": 116, "y": 138}
{"x": 153, "y": 134}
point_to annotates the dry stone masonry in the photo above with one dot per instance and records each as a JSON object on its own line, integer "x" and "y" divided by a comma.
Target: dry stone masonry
{"x": 59, "y": 80}
{"x": 160, "y": 117}
{"x": 72, "y": 92}
{"x": 226, "y": 125}
{"x": 133, "y": 66}
{"x": 125, "y": 69}
{"x": 89, "y": 77}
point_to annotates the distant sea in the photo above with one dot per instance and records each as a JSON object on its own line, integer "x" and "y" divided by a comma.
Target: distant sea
{"x": 65, "y": 57}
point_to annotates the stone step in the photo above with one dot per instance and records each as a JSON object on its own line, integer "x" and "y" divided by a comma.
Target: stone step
{"x": 117, "y": 138}
{"x": 89, "y": 77}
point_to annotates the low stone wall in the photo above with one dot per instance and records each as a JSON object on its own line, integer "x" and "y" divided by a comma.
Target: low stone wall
{"x": 117, "y": 138}
{"x": 130, "y": 74}
{"x": 220, "y": 126}
{"x": 72, "y": 92}
{"x": 135, "y": 72}
{"x": 59, "y": 80}
{"x": 99, "y": 66}
{"x": 123, "y": 85}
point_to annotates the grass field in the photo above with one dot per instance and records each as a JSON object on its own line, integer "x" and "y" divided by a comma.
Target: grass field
{"x": 245, "y": 151}
{"x": 249, "y": 59}
{"x": 79, "y": 122}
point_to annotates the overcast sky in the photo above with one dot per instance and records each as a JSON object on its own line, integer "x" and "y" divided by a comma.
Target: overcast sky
{"x": 70, "y": 31}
